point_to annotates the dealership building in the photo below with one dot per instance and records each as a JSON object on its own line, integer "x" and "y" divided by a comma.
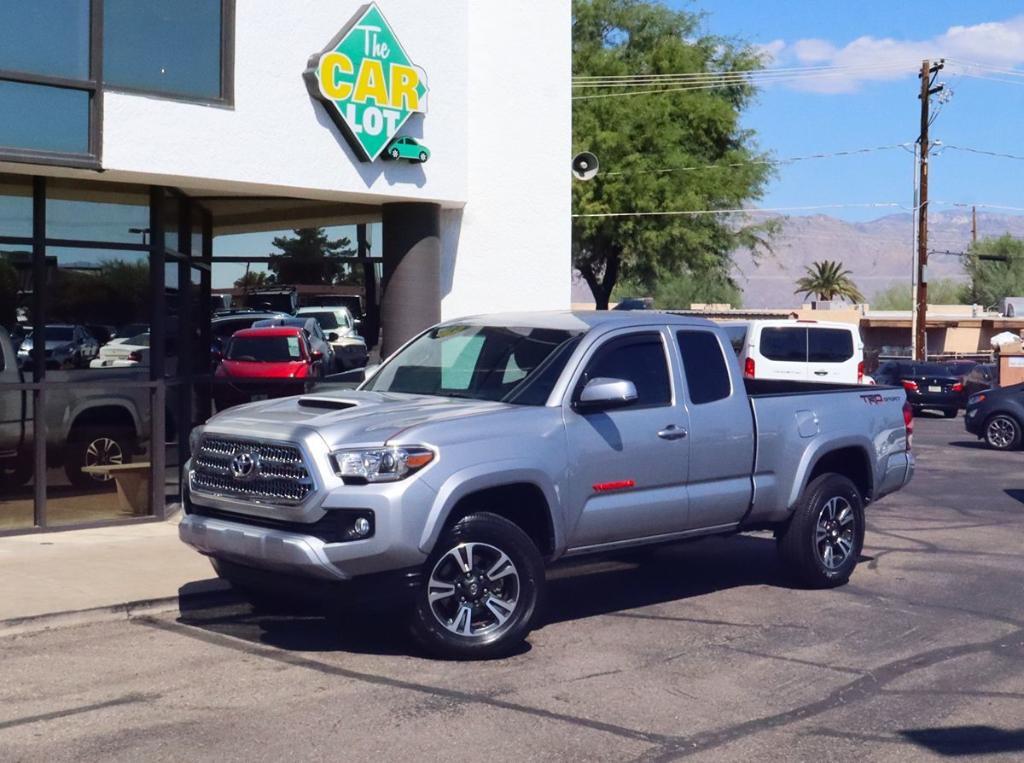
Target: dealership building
{"x": 155, "y": 153}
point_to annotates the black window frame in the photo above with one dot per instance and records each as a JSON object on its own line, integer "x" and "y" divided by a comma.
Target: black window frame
{"x": 95, "y": 86}
{"x": 625, "y": 340}
{"x": 227, "y": 65}
{"x": 688, "y": 377}
{"x": 92, "y": 158}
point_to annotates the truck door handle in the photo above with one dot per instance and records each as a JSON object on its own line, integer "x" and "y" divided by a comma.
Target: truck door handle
{"x": 672, "y": 432}
{"x": 821, "y": 373}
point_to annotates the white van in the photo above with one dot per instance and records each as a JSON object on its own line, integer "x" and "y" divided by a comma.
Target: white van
{"x": 801, "y": 350}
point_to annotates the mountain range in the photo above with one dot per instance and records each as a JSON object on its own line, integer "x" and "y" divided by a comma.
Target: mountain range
{"x": 879, "y": 253}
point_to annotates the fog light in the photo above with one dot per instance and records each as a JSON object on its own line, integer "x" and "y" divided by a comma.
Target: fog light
{"x": 361, "y": 526}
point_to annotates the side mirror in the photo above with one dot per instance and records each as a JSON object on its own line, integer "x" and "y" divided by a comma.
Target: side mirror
{"x": 357, "y": 322}
{"x": 332, "y": 336}
{"x": 316, "y": 355}
{"x": 603, "y": 393}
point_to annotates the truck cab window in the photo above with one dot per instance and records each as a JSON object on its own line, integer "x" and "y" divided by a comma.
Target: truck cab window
{"x": 639, "y": 358}
{"x": 707, "y": 377}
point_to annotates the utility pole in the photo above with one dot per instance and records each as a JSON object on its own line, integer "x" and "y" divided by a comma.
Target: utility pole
{"x": 928, "y": 72}
{"x": 974, "y": 226}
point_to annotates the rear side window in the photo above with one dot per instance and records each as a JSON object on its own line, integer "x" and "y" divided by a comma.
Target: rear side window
{"x": 707, "y": 377}
{"x": 639, "y": 358}
{"x": 829, "y": 345}
{"x": 785, "y": 344}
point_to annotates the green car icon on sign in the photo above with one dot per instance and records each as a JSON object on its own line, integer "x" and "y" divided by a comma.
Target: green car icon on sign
{"x": 407, "y": 148}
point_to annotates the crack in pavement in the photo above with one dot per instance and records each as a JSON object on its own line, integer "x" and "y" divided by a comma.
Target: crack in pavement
{"x": 856, "y": 691}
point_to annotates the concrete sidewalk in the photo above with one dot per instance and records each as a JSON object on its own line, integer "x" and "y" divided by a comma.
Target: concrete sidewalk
{"x": 51, "y": 579}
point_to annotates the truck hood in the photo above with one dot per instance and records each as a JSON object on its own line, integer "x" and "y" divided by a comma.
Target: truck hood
{"x": 347, "y": 417}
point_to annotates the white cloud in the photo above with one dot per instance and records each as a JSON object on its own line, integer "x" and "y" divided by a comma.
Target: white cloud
{"x": 874, "y": 59}
{"x": 769, "y": 51}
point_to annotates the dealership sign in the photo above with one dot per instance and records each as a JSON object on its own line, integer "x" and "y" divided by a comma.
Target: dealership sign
{"x": 367, "y": 83}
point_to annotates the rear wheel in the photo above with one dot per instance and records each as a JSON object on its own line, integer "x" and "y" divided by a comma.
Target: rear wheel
{"x": 483, "y": 590}
{"x": 96, "y": 447}
{"x": 1002, "y": 432}
{"x": 950, "y": 413}
{"x": 822, "y": 542}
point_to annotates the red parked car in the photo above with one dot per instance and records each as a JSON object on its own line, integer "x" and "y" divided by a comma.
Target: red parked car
{"x": 266, "y": 362}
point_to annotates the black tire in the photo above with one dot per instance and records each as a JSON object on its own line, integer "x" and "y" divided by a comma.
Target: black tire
{"x": 95, "y": 446}
{"x": 950, "y": 413}
{"x": 1002, "y": 432}
{"x": 481, "y": 534}
{"x": 811, "y": 557}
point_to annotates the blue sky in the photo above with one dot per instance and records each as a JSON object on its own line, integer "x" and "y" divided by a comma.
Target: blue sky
{"x": 881, "y": 108}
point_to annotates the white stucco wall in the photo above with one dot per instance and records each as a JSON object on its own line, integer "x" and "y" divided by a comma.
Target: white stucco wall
{"x": 498, "y": 126}
{"x": 513, "y": 243}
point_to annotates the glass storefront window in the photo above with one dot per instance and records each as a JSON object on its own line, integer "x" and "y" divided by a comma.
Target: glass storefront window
{"x": 99, "y": 467}
{"x": 164, "y": 46}
{"x": 15, "y": 206}
{"x": 48, "y": 37}
{"x": 42, "y": 118}
{"x": 107, "y": 212}
{"x": 17, "y": 467}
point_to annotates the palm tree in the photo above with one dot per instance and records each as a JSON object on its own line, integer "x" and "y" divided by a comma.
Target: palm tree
{"x": 827, "y": 280}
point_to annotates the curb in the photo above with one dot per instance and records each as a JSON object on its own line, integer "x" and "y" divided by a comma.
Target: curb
{"x": 206, "y": 594}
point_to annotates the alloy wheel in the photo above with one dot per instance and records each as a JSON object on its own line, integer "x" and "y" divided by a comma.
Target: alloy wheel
{"x": 103, "y": 451}
{"x": 835, "y": 532}
{"x": 1000, "y": 432}
{"x": 473, "y": 589}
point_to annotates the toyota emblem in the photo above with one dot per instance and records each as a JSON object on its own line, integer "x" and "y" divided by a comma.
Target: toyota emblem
{"x": 244, "y": 466}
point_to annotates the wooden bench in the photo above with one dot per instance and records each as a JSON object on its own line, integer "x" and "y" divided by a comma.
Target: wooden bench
{"x": 132, "y": 482}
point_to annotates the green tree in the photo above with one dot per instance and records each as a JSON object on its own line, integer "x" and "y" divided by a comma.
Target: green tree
{"x": 254, "y": 279}
{"x": 679, "y": 291}
{"x": 944, "y": 291}
{"x": 827, "y": 280}
{"x": 8, "y": 294}
{"x": 993, "y": 279}
{"x": 116, "y": 293}
{"x": 310, "y": 257}
{"x": 644, "y": 142}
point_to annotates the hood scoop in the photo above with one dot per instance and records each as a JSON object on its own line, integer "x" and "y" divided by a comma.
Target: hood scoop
{"x": 326, "y": 403}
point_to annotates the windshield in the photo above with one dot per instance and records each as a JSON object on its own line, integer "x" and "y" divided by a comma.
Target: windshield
{"x": 327, "y": 321}
{"x": 511, "y": 364}
{"x": 265, "y": 349}
{"x": 142, "y": 340}
{"x": 59, "y": 333}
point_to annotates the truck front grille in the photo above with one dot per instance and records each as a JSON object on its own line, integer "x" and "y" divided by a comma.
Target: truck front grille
{"x": 252, "y": 471}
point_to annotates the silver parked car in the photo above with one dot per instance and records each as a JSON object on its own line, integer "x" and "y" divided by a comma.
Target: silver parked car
{"x": 489, "y": 447}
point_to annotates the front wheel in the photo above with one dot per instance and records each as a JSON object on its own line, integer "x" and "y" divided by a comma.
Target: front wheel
{"x": 94, "y": 447}
{"x": 483, "y": 589}
{"x": 1002, "y": 432}
{"x": 822, "y": 542}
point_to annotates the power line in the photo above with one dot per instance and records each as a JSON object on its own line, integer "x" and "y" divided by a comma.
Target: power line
{"x": 748, "y": 162}
{"x": 982, "y": 152}
{"x": 627, "y": 80}
{"x": 740, "y": 210}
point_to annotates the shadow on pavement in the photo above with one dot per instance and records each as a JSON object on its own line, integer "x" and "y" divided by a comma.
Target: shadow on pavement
{"x": 630, "y": 580}
{"x": 967, "y": 740}
{"x": 971, "y": 444}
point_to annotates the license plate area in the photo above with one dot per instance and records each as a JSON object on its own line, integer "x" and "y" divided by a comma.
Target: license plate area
{"x": 935, "y": 389}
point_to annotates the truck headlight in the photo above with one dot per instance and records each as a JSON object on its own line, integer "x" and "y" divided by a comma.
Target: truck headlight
{"x": 388, "y": 464}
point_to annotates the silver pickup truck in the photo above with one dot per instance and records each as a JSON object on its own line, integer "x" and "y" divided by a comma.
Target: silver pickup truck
{"x": 489, "y": 447}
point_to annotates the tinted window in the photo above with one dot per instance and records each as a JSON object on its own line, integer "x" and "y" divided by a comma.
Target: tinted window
{"x": 829, "y": 345}
{"x": 168, "y": 46}
{"x": 737, "y": 337}
{"x": 268, "y": 349}
{"x": 325, "y": 319}
{"x": 923, "y": 369}
{"x": 707, "y": 377}
{"x": 787, "y": 344}
{"x": 59, "y": 333}
{"x": 639, "y": 359}
{"x": 45, "y": 37}
{"x": 44, "y": 118}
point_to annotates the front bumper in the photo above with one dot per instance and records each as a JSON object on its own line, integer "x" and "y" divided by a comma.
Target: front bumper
{"x": 974, "y": 422}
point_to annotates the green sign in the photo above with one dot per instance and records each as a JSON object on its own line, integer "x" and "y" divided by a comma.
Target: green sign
{"x": 367, "y": 82}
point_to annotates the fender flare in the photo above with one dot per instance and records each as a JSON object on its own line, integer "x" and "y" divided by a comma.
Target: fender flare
{"x": 481, "y": 477}
{"x": 813, "y": 454}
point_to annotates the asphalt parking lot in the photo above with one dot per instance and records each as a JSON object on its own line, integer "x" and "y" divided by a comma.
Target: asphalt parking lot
{"x": 696, "y": 650}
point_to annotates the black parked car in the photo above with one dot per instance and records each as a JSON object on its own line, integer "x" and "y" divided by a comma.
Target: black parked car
{"x": 981, "y": 377}
{"x": 997, "y": 416}
{"x": 928, "y": 385}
